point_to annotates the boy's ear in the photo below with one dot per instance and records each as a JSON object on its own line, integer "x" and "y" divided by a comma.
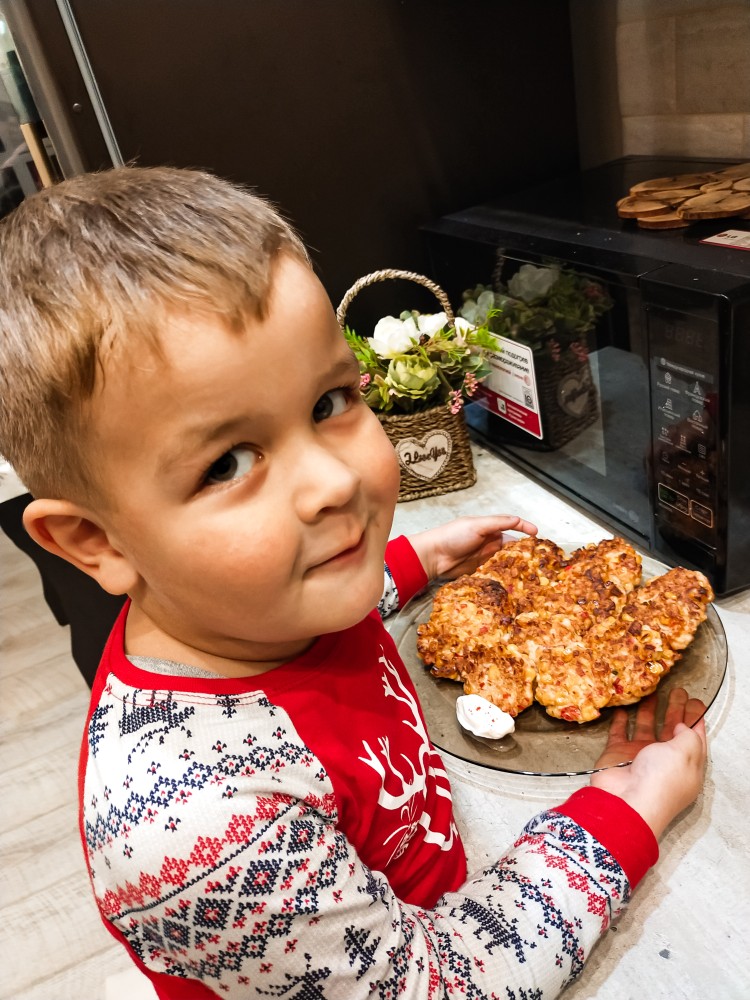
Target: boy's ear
{"x": 67, "y": 530}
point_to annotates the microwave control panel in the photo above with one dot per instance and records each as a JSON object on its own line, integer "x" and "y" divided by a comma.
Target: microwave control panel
{"x": 684, "y": 419}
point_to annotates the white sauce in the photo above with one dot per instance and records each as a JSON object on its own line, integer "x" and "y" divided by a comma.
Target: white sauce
{"x": 483, "y": 718}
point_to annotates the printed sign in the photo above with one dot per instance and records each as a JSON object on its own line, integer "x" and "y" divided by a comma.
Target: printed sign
{"x": 510, "y": 389}
{"x": 738, "y": 238}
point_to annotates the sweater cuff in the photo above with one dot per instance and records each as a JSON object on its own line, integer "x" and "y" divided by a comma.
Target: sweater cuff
{"x": 406, "y": 569}
{"x": 617, "y": 827}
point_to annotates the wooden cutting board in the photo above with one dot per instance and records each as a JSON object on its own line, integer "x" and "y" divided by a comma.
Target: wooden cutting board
{"x": 676, "y": 202}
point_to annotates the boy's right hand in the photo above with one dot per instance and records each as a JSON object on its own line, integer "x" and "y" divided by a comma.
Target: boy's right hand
{"x": 666, "y": 774}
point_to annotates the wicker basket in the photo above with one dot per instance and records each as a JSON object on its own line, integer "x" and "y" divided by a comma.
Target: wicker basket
{"x": 433, "y": 447}
{"x": 568, "y": 400}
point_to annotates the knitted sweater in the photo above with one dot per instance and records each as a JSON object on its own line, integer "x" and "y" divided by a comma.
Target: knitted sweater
{"x": 291, "y": 835}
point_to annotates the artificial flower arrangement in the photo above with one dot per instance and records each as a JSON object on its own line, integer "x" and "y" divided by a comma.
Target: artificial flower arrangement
{"x": 416, "y": 361}
{"x": 549, "y": 308}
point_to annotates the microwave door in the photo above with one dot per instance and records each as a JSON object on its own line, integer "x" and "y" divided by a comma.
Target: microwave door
{"x": 604, "y": 466}
{"x": 616, "y": 449}
{"x": 582, "y": 419}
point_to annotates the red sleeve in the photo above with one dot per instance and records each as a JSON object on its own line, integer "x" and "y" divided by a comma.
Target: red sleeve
{"x": 406, "y": 569}
{"x": 617, "y": 827}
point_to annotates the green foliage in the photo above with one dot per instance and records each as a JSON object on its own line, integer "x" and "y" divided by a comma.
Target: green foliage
{"x": 540, "y": 306}
{"x": 417, "y": 361}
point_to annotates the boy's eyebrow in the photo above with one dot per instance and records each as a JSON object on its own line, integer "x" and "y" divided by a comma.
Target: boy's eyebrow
{"x": 345, "y": 366}
{"x": 198, "y": 437}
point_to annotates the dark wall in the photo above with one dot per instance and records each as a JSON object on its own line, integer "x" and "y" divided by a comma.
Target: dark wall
{"x": 360, "y": 118}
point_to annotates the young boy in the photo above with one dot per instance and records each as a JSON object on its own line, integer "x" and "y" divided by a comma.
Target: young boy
{"x": 261, "y": 809}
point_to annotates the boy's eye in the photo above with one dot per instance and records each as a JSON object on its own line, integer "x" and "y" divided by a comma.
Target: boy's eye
{"x": 233, "y": 464}
{"x": 331, "y": 404}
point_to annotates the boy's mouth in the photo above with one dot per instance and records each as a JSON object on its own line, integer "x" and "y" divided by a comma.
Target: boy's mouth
{"x": 343, "y": 555}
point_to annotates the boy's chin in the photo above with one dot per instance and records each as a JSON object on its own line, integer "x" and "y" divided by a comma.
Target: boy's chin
{"x": 352, "y": 609}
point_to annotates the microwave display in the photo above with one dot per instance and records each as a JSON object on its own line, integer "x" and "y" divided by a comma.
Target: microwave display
{"x": 683, "y": 413}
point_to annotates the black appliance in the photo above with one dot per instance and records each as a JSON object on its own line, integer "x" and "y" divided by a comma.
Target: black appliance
{"x": 650, "y": 429}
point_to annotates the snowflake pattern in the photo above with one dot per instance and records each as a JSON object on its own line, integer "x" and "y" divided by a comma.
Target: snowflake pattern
{"x": 389, "y": 602}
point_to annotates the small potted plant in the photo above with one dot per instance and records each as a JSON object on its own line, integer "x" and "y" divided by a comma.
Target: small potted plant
{"x": 551, "y": 310}
{"x": 416, "y": 371}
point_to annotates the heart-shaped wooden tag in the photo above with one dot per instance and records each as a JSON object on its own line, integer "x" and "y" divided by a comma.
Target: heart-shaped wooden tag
{"x": 427, "y": 456}
{"x": 573, "y": 393}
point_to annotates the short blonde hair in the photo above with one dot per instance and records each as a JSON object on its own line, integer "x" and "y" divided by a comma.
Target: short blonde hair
{"x": 101, "y": 258}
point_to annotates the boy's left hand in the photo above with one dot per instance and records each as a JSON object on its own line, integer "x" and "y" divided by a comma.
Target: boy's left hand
{"x": 459, "y": 546}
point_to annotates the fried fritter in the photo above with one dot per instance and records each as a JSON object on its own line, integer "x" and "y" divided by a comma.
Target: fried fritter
{"x": 635, "y": 653}
{"x": 571, "y": 683}
{"x": 592, "y": 585}
{"x": 471, "y": 618}
{"x": 612, "y": 560}
{"x": 524, "y": 568}
{"x": 568, "y": 684}
{"x": 469, "y": 638}
{"x": 659, "y": 620}
{"x": 584, "y": 600}
{"x": 503, "y": 676}
{"x": 674, "y": 603}
{"x": 577, "y": 634}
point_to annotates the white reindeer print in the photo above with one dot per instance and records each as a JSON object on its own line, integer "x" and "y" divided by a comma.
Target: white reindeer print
{"x": 412, "y": 784}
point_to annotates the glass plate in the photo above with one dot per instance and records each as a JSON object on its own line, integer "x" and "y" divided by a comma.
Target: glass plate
{"x": 540, "y": 744}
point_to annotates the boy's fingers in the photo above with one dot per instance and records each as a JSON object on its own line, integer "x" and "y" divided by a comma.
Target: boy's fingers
{"x": 694, "y": 710}
{"x": 699, "y": 729}
{"x": 697, "y": 753}
{"x": 681, "y": 708}
{"x": 645, "y": 719}
{"x": 675, "y": 712}
{"x": 509, "y": 522}
{"x": 618, "y": 727}
{"x": 527, "y": 527}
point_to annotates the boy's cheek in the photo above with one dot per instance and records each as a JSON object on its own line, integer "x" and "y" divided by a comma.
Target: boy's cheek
{"x": 390, "y": 475}
{"x": 387, "y": 460}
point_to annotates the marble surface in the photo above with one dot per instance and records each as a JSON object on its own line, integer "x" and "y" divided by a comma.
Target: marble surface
{"x": 684, "y": 935}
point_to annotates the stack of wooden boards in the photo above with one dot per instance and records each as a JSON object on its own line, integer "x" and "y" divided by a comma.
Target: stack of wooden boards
{"x": 676, "y": 202}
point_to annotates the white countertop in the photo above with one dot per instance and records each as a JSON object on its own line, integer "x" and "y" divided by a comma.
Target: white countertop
{"x": 685, "y": 934}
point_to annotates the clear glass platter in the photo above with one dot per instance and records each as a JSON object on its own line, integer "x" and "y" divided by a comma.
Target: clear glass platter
{"x": 540, "y": 744}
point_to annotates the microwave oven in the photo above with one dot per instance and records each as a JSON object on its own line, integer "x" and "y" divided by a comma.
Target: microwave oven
{"x": 641, "y": 416}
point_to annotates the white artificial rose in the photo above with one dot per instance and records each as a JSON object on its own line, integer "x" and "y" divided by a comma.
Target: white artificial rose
{"x": 531, "y": 282}
{"x": 486, "y": 301}
{"x": 463, "y": 326}
{"x": 476, "y": 312}
{"x": 393, "y": 336}
{"x": 431, "y": 323}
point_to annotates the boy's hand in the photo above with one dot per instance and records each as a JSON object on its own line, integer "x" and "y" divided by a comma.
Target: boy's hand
{"x": 460, "y": 546}
{"x": 666, "y": 774}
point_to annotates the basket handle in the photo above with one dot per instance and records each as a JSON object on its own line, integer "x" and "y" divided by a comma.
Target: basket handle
{"x": 385, "y": 275}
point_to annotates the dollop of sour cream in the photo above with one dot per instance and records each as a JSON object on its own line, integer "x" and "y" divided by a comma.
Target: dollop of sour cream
{"x": 482, "y": 718}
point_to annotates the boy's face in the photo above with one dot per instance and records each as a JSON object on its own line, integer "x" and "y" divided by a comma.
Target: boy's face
{"x": 253, "y": 489}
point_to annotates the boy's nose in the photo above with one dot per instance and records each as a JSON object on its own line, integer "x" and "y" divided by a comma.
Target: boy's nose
{"x": 323, "y": 480}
